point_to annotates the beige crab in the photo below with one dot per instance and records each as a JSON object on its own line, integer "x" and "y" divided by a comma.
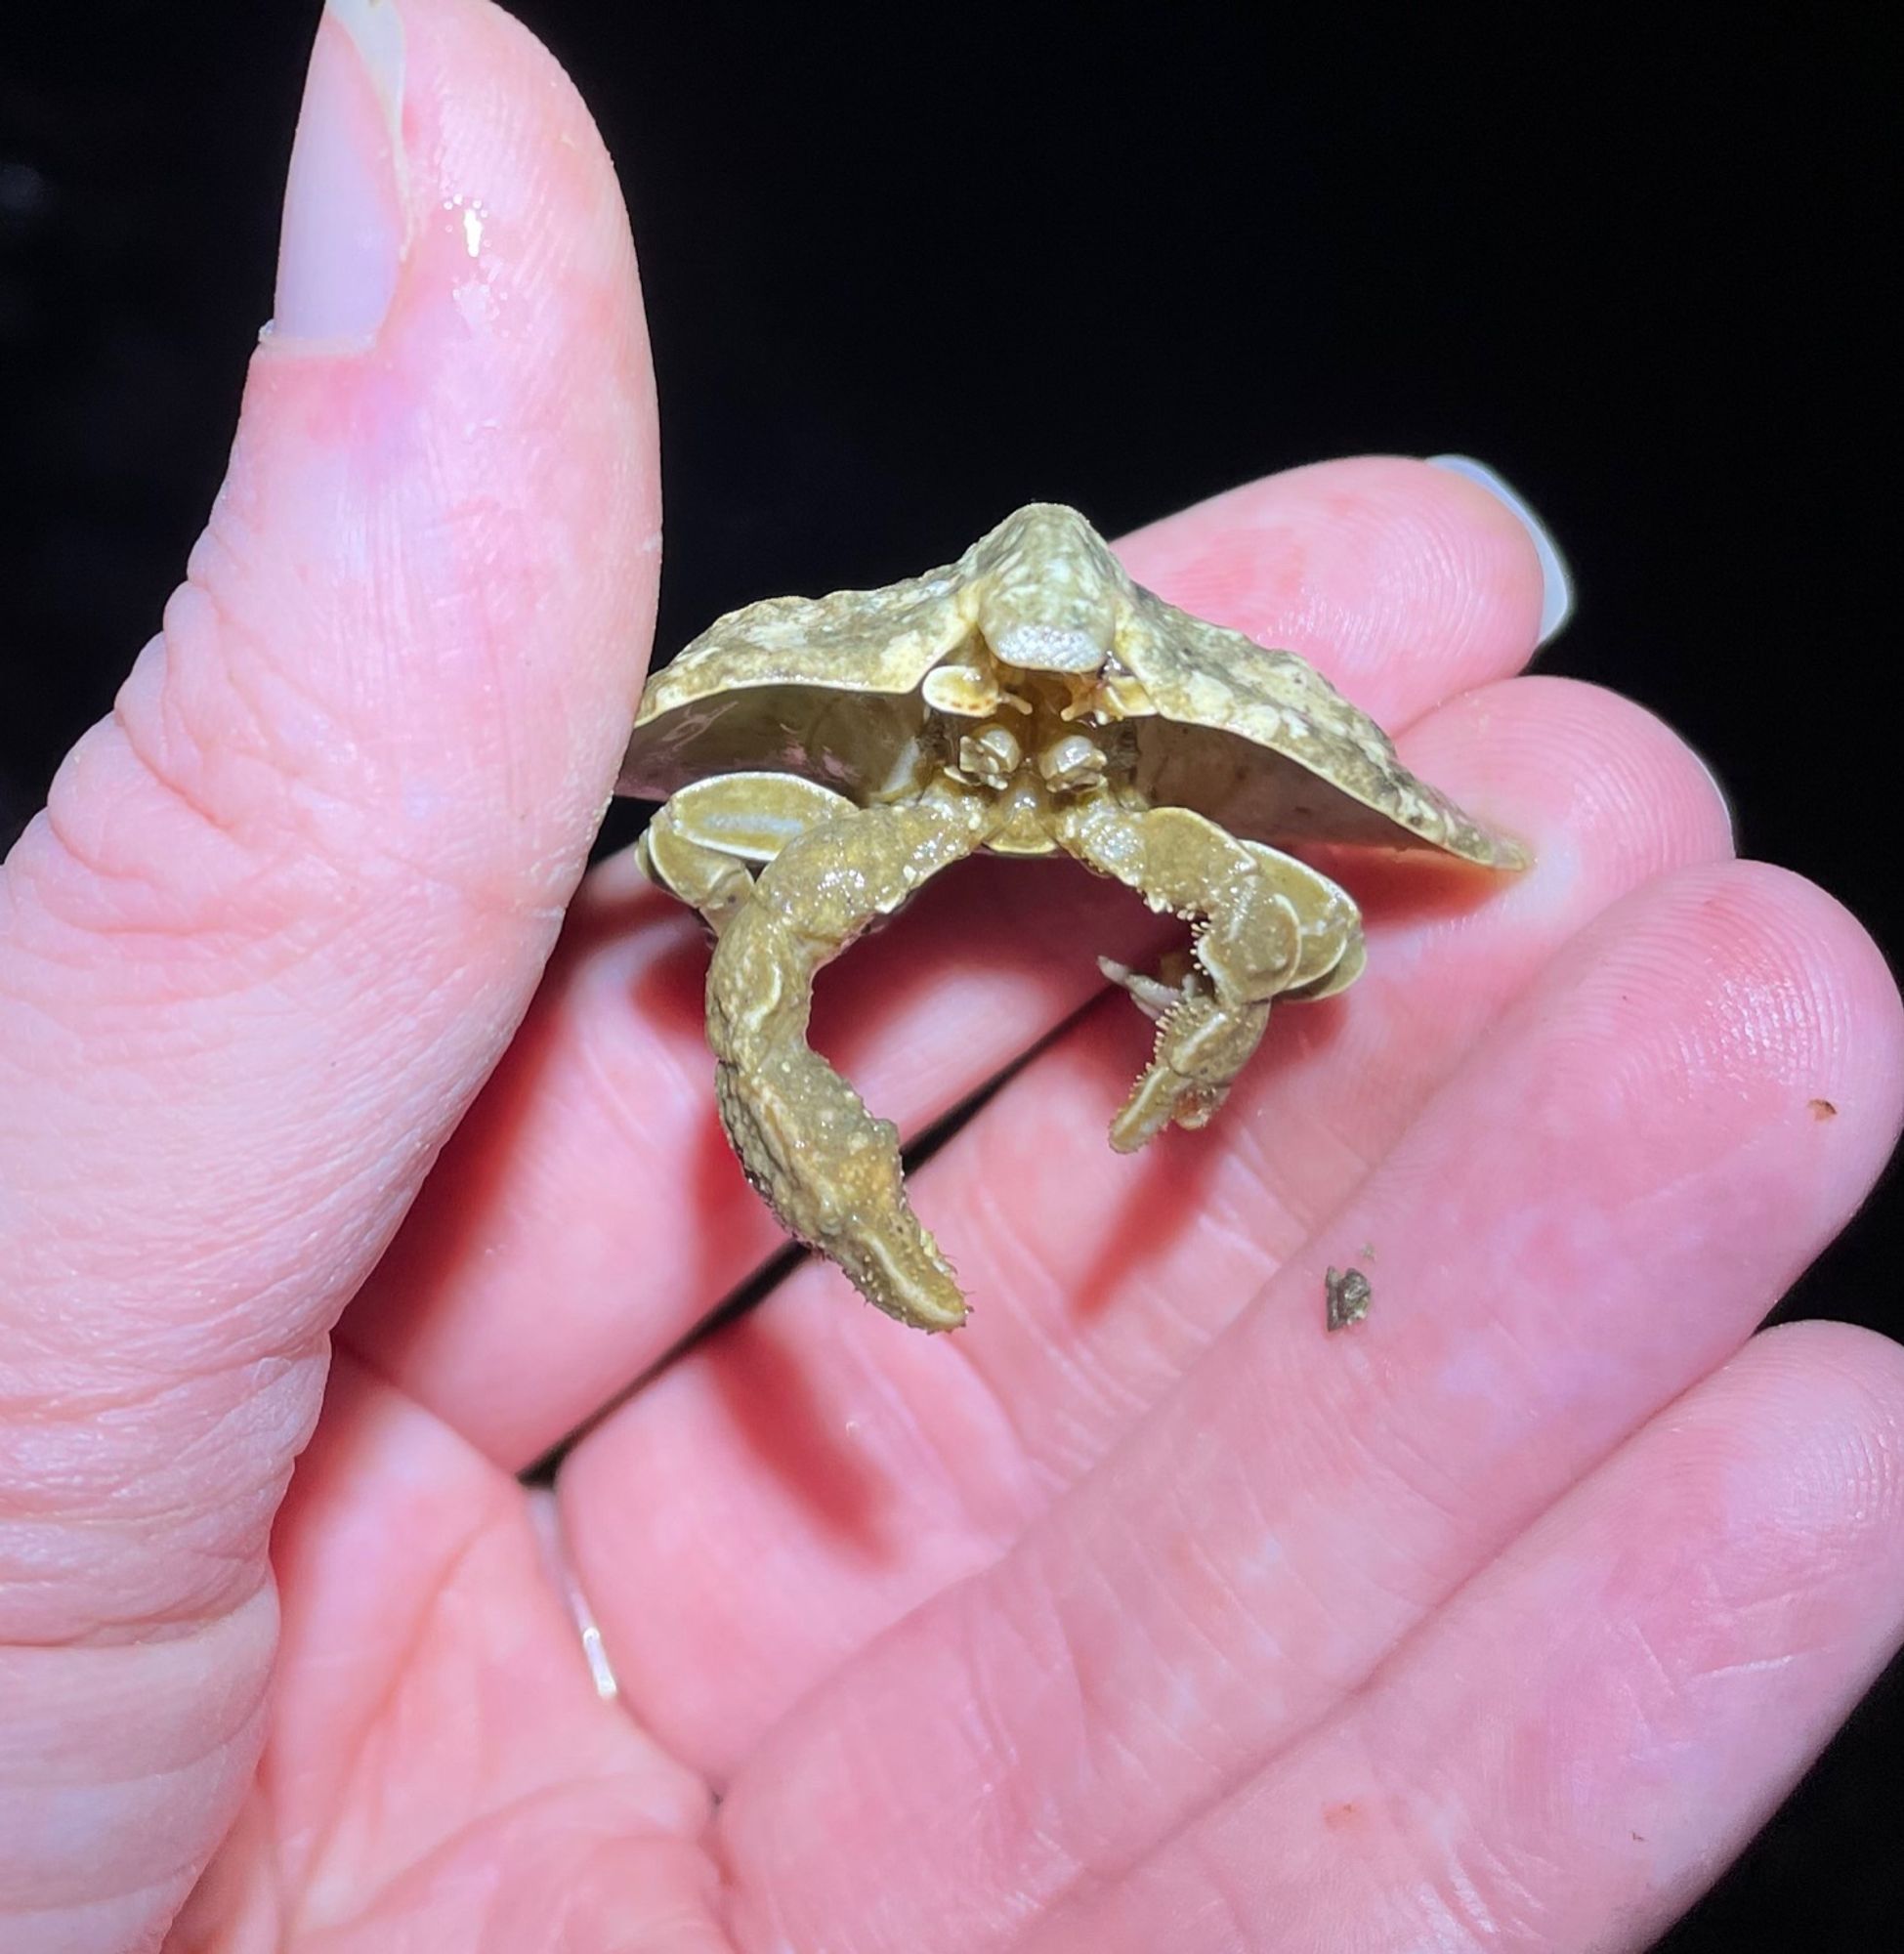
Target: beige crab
{"x": 823, "y": 757}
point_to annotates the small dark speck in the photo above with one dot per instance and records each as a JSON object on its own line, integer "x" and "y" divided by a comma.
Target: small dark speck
{"x": 1348, "y": 1296}
{"x": 1823, "y": 1109}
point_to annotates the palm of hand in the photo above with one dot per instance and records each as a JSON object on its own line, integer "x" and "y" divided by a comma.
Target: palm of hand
{"x": 1140, "y": 1614}
{"x": 1174, "y": 1622}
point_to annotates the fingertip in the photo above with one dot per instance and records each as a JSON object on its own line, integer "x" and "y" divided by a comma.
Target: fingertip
{"x": 441, "y": 523}
{"x": 1739, "y": 1002}
{"x": 1820, "y": 992}
{"x": 1556, "y": 579}
{"x": 1827, "y": 1415}
{"x": 1602, "y": 789}
{"x": 394, "y": 176}
{"x": 1406, "y": 582}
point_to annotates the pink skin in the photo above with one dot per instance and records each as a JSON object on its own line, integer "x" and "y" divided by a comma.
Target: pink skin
{"x": 1141, "y": 1613}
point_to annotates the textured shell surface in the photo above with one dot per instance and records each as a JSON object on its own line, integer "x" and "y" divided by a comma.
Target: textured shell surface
{"x": 834, "y": 689}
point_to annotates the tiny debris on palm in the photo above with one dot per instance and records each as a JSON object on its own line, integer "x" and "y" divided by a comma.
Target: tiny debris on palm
{"x": 821, "y": 758}
{"x": 1346, "y": 1295}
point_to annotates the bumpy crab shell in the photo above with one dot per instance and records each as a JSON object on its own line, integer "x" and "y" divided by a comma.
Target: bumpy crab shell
{"x": 821, "y": 759}
{"x": 840, "y": 689}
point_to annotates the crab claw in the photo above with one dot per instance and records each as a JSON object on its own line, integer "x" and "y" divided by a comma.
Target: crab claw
{"x": 1158, "y": 996}
{"x": 1150, "y": 994}
{"x": 829, "y": 1169}
{"x": 1202, "y": 1045}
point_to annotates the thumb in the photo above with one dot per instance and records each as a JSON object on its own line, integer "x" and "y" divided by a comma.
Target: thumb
{"x": 288, "y": 904}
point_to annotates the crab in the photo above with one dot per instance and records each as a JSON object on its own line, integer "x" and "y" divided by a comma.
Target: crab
{"x": 821, "y": 758}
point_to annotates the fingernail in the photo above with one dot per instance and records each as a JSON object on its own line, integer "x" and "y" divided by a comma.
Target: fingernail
{"x": 346, "y": 201}
{"x": 1556, "y": 581}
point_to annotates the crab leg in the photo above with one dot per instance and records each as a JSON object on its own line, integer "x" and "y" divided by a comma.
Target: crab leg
{"x": 700, "y": 846}
{"x": 828, "y": 1169}
{"x": 1263, "y": 924}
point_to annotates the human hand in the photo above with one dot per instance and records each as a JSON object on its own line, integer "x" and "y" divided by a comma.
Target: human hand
{"x": 1141, "y": 1613}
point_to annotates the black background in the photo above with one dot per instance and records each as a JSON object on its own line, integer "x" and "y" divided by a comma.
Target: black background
{"x": 908, "y": 269}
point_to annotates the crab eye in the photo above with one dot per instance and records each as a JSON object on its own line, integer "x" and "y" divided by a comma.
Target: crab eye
{"x": 992, "y": 756}
{"x": 1074, "y": 761}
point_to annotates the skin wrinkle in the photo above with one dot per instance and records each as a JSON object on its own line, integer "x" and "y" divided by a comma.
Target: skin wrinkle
{"x": 1464, "y": 1908}
{"x": 370, "y": 1731}
{"x": 1106, "y": 1752}
{"x": 1296, "y": 1593}
{"x": 56, "y": 1400}
{"x": 267, "y": 1222}
{"x": 418, "y": 1872}
{"x": 53, "y": 1728}
{"x": 142, "y": 1618}
{"x": 604, "y": 1069}
{"x": 152, "y": 1781}
{"x": 1212, "y": 1576}
{"x": 1415, "y": 1476}
{"x": 1441, "y": 1902}
{"x": 199, "y": 625}
{"x": 1516, "y": 1877}
{"x": 219, "y": 1540}
{"x": 1225, "y": 1891}
{"x": 64, "y": 1918}
{"x": 216, "y": 673}
{"x": 1281, "y": 1232}
{"x": 1025, "y": 1463}
{"x": 1080, "y": 1375}
{"x": 1452, "y": 1891}
{"x": 1770, "y": 1664}
{"x": 154, "y": 715}
{"x": 96, "y": 1445}
{"x": 289, "y": 799}
{"x": 204, "y": 966}
{"x": 173, "y": 1879}
{"x": 1065, "y": 1447}
{"x": 298, "y": 934}
{"x": 934, "y": 1453}
{"x": 1174, "y": 1327}
{"x": 1074, "y": 1864}
{"x": 1046, "y": 1644}
{"x": 219, "y": 1287}
{"x": 81, "y": 904}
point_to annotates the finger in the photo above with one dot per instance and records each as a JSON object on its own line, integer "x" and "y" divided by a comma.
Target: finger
{"x": 438, "y": 1750}
{"x": 589, "y": 1214}
{"x": 1571, "y": 1752}
{"x": 1392, "y": 570}
{"x": 1580, "y": 1224}
{"x": 286, "y": 905}
{"x": 1097, "y": 1282}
